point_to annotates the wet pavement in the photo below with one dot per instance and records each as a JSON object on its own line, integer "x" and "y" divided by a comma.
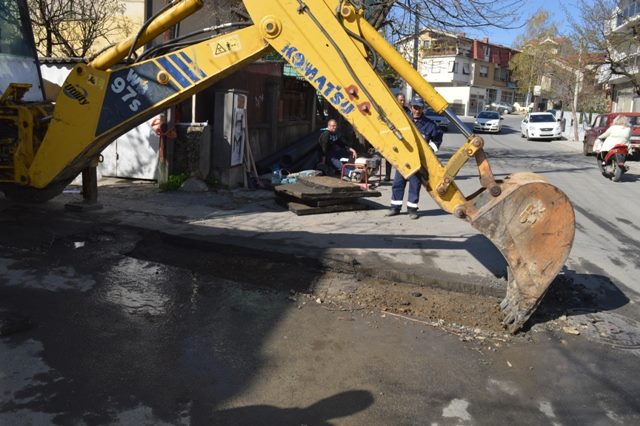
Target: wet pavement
{"x": 176, "y": 309}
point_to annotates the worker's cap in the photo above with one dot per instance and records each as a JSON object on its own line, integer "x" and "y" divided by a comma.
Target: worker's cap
{"x": 417, "y": 102}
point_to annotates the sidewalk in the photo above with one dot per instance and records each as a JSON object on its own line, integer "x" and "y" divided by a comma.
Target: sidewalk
{"x": 437, "y": 249}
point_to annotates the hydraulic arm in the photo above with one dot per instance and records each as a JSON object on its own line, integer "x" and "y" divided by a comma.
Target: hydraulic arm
{"x": 330, "y": 44}
{"x": 530, "y": 221}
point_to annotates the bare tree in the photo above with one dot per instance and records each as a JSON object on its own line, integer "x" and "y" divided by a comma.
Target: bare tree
{"x": 559, "y": 64}
{"x": 437, "y": 14}
{"x": 539, "y": 27}
{"x": 72, "y": 27}
{"x": 223, "y": 11}
{"x": 446, "y": 15}
{"x": 402, "y": 18}
{"x": 615, "y": 52}
{"x": 570, "y": 78}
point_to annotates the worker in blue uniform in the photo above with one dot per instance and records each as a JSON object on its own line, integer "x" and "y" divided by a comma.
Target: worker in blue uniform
{"x": 432, "y": 134}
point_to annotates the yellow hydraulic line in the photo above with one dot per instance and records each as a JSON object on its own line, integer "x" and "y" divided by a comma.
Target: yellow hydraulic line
{"x": 163, "y": 22}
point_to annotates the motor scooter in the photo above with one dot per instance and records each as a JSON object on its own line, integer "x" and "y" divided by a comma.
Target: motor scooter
{"x": 612, "y": 163}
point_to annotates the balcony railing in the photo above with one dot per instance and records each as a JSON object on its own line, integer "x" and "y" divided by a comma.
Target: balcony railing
{"x": 440, "y": 51}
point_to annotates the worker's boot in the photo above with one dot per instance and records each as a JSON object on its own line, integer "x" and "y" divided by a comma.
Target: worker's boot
{"x": 413, "y": 213}
{"x": 393, "y": 212}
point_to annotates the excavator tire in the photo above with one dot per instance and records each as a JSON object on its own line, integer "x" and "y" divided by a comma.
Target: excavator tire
{"x": 532, "y": 223}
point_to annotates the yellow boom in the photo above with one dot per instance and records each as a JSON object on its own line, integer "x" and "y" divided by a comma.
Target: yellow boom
{"x": 328, "y": 42}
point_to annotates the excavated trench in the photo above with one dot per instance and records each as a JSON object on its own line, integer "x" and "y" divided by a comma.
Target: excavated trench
{"x": 342, "y": 286}
{"x": 302, "y": 279}
{"x": 347, "y": 288}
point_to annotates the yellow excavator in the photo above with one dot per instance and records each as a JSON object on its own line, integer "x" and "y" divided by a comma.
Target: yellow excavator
{"x": 43, "y": 147}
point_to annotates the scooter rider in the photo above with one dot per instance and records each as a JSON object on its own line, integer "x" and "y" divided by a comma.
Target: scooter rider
{"x": 619, "y": 133}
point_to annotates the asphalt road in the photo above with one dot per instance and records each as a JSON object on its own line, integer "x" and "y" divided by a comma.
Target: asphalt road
{"x": 129, "y": 326}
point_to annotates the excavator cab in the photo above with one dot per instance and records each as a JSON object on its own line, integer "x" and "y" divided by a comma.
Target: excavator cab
{"x": 22, "y": 104}
{"x": 18, "y": 56}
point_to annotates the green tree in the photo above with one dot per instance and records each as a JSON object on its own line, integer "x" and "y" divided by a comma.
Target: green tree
{"x": 537, "y": 45}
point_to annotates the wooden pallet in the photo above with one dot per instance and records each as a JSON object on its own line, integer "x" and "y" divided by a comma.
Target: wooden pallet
{"x": 322, "y": 194}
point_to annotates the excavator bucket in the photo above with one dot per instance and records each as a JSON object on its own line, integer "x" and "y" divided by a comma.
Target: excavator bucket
{"x": 532, "y": 223}
{"x": 529, "y": 220}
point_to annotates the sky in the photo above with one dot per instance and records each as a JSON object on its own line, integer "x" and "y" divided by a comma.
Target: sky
{"x": 507, "y": 37}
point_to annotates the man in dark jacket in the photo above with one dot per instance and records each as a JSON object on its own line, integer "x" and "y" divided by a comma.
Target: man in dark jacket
{"x": 333, "y": 148}
{"x": 432, "y": 134}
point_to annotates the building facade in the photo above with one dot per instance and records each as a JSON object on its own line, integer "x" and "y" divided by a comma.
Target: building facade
{"x": 623, "y": 97}
{"x": 470, "y": 74}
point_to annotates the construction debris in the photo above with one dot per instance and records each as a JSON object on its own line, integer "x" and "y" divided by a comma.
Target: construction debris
{"x": 571, "y": 330}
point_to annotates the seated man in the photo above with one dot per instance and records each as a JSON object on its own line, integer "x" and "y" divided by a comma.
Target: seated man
{"x": 333, "y": 148}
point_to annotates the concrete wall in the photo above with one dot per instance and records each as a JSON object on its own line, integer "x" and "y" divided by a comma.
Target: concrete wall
{"x": 458, "y": 96}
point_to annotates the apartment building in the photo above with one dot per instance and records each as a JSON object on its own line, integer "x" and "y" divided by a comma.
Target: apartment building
{"x": 469, "y": 73}
{"x": 626, "y": 51}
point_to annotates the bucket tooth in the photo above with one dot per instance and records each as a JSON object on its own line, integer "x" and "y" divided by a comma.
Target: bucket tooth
{"x": 532, "y": 223}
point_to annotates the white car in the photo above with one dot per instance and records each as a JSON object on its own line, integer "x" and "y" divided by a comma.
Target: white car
{"x": 488, "y": 121}
{"x": 540, "y": 125}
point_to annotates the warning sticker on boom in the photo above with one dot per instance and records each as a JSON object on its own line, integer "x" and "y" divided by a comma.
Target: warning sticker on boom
{"x": 226, "y": 45}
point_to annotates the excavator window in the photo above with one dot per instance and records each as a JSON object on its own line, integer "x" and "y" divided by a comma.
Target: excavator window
{"x": 18, "y": 58}
{"x": 15, "y": 32}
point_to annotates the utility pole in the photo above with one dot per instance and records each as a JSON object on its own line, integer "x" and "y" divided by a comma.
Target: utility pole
{"x": 416, "y": 38}
{"x": 167, "y": 123}
{"x": 579, "y": 75}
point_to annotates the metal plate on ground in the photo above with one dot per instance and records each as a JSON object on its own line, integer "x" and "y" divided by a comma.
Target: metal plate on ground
{"x": 305, "y": 192}
{"x": 328, "y": 183}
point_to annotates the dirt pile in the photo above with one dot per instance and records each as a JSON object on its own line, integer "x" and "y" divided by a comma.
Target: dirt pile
{"x": 431, "y": 305}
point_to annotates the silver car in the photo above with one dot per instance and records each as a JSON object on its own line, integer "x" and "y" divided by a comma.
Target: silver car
{"x": 502, "y": 107}
{"x": 488, "y": 121}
